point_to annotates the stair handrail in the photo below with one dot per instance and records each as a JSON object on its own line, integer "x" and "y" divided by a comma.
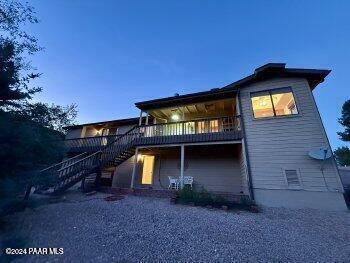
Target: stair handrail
{"x": 127, "y": 142}
{"x": 79, "y": 155}
{"x": 81, "y": 160}
{"x": 121, "y": 137}
{"x": 100, "y": 151}
{"x": 94, "y": 137}
{"x": 62, "y": 162}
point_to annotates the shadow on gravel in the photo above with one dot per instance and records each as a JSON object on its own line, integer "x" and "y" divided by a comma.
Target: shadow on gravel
{"x": 11, "y": 235}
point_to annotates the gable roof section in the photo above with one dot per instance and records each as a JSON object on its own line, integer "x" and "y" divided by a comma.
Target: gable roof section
{"x": 268, "y": 71}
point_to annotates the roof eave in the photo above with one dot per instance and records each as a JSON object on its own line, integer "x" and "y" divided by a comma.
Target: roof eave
{"x": 101, "y": 123}
{"x": 185, "y": 99}
{"x": 270, "y": 70}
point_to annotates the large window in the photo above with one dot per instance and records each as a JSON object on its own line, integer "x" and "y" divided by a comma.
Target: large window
{"x": 270, "y": 103}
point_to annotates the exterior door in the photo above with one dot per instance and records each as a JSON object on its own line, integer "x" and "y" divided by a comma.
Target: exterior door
{"x": 147, "y": 171}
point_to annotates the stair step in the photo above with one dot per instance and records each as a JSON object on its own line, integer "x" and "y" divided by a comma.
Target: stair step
{"x": 86, "y": 167}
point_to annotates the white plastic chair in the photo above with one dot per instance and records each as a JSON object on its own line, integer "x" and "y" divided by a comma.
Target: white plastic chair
{"x": 173, "y": 183}
{"x": 188, "y": 180}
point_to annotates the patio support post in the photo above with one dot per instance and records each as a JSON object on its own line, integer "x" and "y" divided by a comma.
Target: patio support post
{"x": 140, "y": 120}
{"x": 134, "y": 169}
{"x": 183, "y": 119}
{"x": 147, "y": 115}
{"x": 182, "y": 163}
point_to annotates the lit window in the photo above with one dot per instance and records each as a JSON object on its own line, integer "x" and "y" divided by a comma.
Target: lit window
{"x": 201, "y": 127}
{"x": 214, "y": 126}
{"x": 189, "y": 127}
{"x": 262, "y": 105}
{"x": 272, "y": 103}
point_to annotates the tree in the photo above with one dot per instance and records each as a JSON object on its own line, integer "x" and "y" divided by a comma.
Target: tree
{"x": 14, "y": 90}
{"x": 16, "y": 72}
{"x": 52, "y": 116}
{"x": 342, "y": 154}
{"x": 345, "y": 121}
{"x": 30, "y": 132}
{"x": 26, "y": 146}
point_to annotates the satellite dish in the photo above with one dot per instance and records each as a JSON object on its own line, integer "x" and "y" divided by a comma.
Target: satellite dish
{"x": 321, "y": 153}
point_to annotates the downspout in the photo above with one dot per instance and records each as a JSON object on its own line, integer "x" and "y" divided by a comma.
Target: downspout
{"x": 250, "y": 184}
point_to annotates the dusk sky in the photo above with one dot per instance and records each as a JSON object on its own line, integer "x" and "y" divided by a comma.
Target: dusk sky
{"x": 106, "y": 55}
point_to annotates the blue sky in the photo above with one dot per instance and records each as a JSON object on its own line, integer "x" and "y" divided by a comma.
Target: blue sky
{"x": 107, "y": 55}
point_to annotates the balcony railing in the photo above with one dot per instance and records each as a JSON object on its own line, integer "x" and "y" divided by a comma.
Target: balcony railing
{"x": 201, "y": 126}
{"x": 89, "y": 144}
{"x": 200, "y": 130}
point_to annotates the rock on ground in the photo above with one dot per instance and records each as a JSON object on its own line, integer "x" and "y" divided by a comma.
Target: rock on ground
{"x": 141, "y": 229}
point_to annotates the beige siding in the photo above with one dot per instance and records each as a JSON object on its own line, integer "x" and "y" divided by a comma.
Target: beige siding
{"x": 73, "y": 133}
{"x": 90, "y": 131}
{"x": 124, "y": 129}
{"x": 122, "y": 174}
{"x": 281, "y": 143}
{"x": 167, "y": 163}
{"x": 243, "y": 171}
{"x": 214, "y": 168}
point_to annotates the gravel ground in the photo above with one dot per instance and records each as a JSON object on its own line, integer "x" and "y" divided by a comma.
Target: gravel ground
{"x": 140, "y": 229}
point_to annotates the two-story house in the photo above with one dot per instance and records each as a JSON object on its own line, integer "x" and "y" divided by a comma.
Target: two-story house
{"x": 250, "y": 138}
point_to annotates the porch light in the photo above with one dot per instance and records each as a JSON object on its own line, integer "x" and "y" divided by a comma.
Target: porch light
{"x": 262, "y": 102}
{"x": 139, "y": 157}
{"x": 175, "y": 117}
{"x": 98, "y": 132}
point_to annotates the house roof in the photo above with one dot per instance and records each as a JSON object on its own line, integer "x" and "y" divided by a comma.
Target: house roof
{"x": 134, "y": 120}
{"x": 268, "y": 71}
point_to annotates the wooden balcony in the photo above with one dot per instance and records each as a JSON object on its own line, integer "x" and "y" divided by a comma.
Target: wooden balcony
{"x": 192, "y": 131}
{"x": 88, "y": 144}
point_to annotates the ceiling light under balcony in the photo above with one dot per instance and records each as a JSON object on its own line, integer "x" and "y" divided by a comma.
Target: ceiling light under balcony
{"x": 175, "y": 117}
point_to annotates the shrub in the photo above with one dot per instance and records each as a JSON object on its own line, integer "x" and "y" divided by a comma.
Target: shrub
{"x": 204, "y": 198}
{"x": 201, "y": 198}
{"x": 186, "y": 195}
{"x": 219, "y": 201}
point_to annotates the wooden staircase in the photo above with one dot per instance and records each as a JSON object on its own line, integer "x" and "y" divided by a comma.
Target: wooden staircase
{"x": 67, "y": 173}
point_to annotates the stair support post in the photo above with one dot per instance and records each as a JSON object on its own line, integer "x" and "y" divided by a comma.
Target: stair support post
{"x": 82, "y": 187}
{"x": 98, "y": 178}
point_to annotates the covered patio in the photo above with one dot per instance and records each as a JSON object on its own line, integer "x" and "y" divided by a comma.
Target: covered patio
{"x": 218, "y": 168}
